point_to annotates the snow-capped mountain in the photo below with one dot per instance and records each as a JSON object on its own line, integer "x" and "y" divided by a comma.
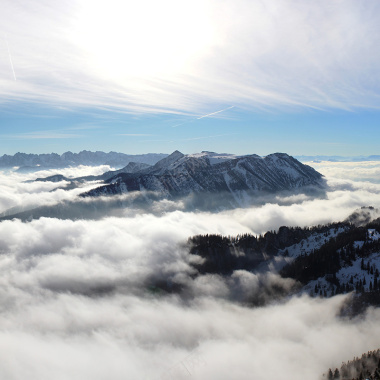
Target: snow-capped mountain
{"x": 54, "y": 160}
{"x": 206, "y": 172}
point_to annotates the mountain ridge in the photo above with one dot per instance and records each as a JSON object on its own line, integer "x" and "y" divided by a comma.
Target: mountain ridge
{"x": 30, "y": 161}
{"x": 239, "y": 177}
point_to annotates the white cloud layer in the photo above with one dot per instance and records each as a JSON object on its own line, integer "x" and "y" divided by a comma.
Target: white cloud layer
{"x": 341, "y": 199}
{"x": 357, "y": 171}
{"x": 62, "y": 318}
{"x": 191, "y": 56}
{"x": 79, "y": 299}
{"x": 15, "y": 192}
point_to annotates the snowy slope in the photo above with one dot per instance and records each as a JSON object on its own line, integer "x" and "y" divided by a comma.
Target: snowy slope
{"x": 313, "y": 242}
{"x": 360, "y": 274}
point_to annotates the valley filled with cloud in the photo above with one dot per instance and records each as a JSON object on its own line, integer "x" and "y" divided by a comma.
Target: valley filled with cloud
{"x": 117, "y": 297}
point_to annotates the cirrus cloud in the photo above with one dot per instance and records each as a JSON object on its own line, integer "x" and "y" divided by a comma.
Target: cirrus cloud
{"x": 184, "y": 57}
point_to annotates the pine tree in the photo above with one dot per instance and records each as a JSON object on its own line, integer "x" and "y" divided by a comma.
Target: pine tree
{"x": 336, "y": 374}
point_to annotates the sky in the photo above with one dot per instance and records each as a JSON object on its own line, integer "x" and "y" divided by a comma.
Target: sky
{"x": 237, "y": 76}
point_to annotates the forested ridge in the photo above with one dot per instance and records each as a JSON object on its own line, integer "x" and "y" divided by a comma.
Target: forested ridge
{"x": 337, "y": 253}
{"x": 342, "y": 247}
{"x": 224, "y": 254}
{"x": 365, "y": 367}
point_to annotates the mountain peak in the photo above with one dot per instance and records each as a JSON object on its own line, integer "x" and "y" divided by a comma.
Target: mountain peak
{"x": 169, "y": 160}
{"x": 278, "y": 154}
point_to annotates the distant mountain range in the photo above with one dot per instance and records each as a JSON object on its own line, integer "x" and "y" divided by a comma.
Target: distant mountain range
{"x": 30, "y": 162}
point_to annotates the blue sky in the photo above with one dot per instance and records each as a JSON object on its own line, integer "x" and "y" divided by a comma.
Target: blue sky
{"x": 238, "y": 76}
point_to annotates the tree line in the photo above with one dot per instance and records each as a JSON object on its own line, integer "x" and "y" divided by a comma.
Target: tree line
{"x": 366, "y": 367}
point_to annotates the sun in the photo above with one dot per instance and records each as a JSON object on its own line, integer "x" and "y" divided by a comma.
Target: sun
{"x": 122, "y": 40}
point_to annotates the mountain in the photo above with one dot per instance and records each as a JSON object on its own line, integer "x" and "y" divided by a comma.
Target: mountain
{"x": 29, "y": 162}
{"x": 237, "y": 178}
{"x": 324, "y": 260}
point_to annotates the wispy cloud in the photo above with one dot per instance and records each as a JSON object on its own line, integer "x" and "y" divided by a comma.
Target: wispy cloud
{"x": 253, "y": 54}
{"x": 134, "y": 134}
{"x": 192, "y": 138}
{"x": 207, "y": 137}
{"x": 40, "y": 136}
{"x": 83, "y": 127}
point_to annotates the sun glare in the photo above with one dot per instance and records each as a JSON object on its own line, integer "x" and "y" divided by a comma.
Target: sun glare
{"x": 126, "y": 39}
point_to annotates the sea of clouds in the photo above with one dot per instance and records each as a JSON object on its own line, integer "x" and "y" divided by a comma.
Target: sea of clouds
{"x": 93, "y": 299}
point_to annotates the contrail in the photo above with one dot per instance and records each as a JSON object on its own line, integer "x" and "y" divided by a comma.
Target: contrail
{"x": 210, "y": 114}
{"x": 10, "y": 58}
{"x": 201, "y": 117}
